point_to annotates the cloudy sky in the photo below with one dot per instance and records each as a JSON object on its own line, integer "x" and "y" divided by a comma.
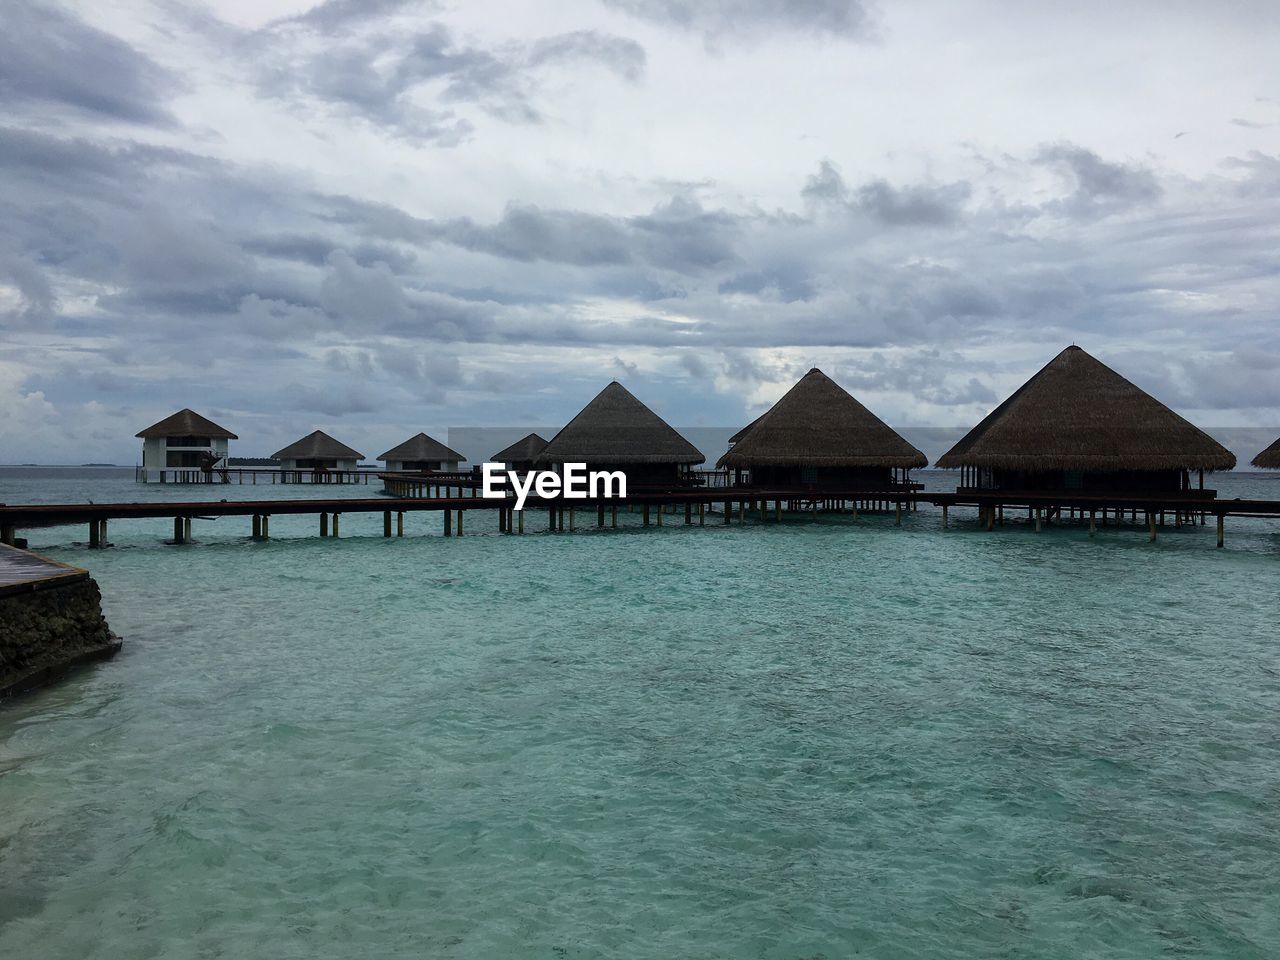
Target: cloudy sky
{"x": 381, "y": 216}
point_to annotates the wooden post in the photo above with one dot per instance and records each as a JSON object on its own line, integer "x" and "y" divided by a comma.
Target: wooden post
{"x": 399, "y": 523}
{"x": 335, "y": 524}
{"x": 572, "y": 525}
{"x": 1151, "y": 526}
{"x": 186, "y": 529}
{"x": 613, "y": 516}
{"x": 1093, "y": 521}
{"x": 660, "y": 511}
{"x": 95, "y": 535}
{"x": 646, "y": 514}
{"x": 1037, "y": 519}
{"x": 897, "y": 519}
{"x": 178, "y": 530}
{"x": 600, "y": 515}
{"x": 102, "y": 534}
{"x": 702, "y": 511}
{"x": 688, "y": 514}
{"x": 944, "y": 516}
{"x": 1221, "y": 531}
{"x": 386, "y": 523}
{"x": 460, "y": 512}
{"x": 991, "y": 518}
{"x": 257, "y": 526}
{"x": 266, "y": 526}
{"x": 728, "y": 512}
{"x": 324, "y": 523}
{"x": 520, "y": 520}
{"x": 448, "y": 522}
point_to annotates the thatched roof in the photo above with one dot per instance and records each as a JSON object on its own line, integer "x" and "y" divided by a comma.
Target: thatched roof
{"x": 187, "y": 423}
{"x": 522, "y": 451}
{"x": 743, "y": 432}
{"x": 422, "y": 447}
{"x": 1269, "y": 459}
{"x": 1079, "y": 414}
{"x": 317, "y": 446}
{"x": 615, "y": 427}
{"x": 818, "y": 424}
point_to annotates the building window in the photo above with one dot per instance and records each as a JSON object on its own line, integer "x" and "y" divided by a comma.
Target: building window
{"x": 188, "y": 442}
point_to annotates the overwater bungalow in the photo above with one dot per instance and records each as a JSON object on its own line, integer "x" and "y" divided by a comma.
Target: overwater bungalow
{"x": 318, "y": 451}
{"x": 615, "y": 431}
{"x": 1079, "y": 427}
{"x": 1269, "y": 459}
{"x": 420, "y": 454}
{"x": 183, "y": 440}
{"x": 818, "y": 436}
{"x": 521, "y": 454}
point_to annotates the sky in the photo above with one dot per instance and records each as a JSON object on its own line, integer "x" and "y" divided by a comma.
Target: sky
{"x": 375, "y": 217}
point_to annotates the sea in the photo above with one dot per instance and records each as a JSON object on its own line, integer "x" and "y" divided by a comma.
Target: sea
{"x": 825, "y": 738}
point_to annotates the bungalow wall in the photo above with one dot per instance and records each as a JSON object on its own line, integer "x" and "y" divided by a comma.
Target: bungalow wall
{"x": 1085, "y": 482}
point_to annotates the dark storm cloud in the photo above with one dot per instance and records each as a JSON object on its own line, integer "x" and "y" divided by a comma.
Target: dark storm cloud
{"x": 912, "y": 205}
{"x": 717, "y": 19}
{"x": 196, "y": 263}
{"x": 334, "y": 15}
{"x": 677, "y": 235}
{"x": 52, "y": 60}
{"x": 785, "y": 281}
{"x": 1100, "y": 186}
{"x": 413, "y": 78}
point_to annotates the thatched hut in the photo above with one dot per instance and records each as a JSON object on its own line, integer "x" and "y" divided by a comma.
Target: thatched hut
{"x": 819, "y": 436}
{"x": 521, "y": 454}
{"x": 420, "y": 454}
{"x": 318, "y": 451}
{"x": 1077, "y": 426}
{"x": 185, "y": 439}
{"x": 1269, "y": 459}
{"x": 615, "y": 431}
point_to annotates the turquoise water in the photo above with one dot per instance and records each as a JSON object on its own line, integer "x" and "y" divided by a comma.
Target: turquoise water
{"x": 815, "y": 739}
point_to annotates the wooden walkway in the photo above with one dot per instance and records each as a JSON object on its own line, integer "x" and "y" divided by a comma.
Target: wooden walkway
{"x": 736, "y": 502}
{"x": 22, "y": 572}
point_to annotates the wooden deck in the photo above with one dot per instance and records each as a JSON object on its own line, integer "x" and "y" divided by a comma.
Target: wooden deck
{"x": 22, "y": 572}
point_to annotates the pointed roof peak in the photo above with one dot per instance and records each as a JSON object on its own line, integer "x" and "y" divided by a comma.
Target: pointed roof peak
{"x": 422, "y": 447}
{"x": 317, "y": 445}
{"x": 819, "y": 423}
{"x": 615, "y": 427}
{"x": 187, "y": 423}
{"x": 526, "y": 448}
{"x": 1077, "y": 413}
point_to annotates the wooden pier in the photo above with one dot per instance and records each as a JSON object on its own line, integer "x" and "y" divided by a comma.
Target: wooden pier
{"x": 248, "y": 475}
{"x": 735, "y": 504}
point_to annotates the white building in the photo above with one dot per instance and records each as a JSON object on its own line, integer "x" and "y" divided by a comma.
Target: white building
{"x": 421, "y": 453}
{"x": 183, "y": 442}
{"x": 318, "y": 451}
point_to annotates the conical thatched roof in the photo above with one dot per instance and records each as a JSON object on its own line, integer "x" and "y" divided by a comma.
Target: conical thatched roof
{"x": 1269, "y": 459}
{"x": 1079, "y": 414}
{"x": 818, "y": 424}
{"x": 187, "y": 423}
{"x": 522, "y": 451}
{"x": 745, "y": 430}
{"x": 615, "y": 427}
{"x": 317, "y": 446}
{"x": 422, "y": 447}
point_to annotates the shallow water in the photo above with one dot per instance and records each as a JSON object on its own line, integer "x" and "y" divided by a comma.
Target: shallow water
{"x": 813, "y": 739}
